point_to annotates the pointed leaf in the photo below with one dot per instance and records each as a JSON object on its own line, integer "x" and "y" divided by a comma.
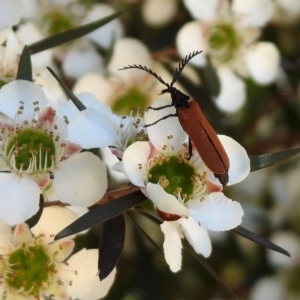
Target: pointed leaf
{"x": 36, "y": 217}
{"x": 259, "y": 240}
{"x": 102, "y": 213}
{"x": 151, "y": 215}
{"x": 67, "y": 91}
{"x": 149, "y": 238}
{"x": 70, "y": 35}
{"x": 206, "y": 265}
{"x": 111, "y": 245}
{"x": 24, "y": 67}
{"x": 265, "y": 160}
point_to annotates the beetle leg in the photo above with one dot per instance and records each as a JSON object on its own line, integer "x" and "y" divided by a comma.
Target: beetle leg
{"x": 165, "y": 117}
{"x": 190, "y": 149}
{"x": 161, "y": 107}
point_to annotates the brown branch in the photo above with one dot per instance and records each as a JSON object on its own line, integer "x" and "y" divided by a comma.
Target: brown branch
{"x": 108, "y": 196}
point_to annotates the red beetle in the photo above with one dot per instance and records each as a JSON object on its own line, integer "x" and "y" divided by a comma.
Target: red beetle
{"x": 201, "y": 135}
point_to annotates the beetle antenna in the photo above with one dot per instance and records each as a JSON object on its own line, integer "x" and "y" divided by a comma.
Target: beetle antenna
{"x": 182, "y": 65}
{"x": 147, "y": 70}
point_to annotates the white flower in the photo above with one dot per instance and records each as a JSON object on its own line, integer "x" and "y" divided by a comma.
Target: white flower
{"x": 289, "y": 6}
{"x": 33, "y": 266}
{"x": 289, "y": 241}
{"x": 53, "y": 17}
{"x": 228, "y": 35}
{"x": 9, "y": 57}
{"x": 158, "y": 13}
{"x": 185, "y": 193}
{"x": 97, "y": 126}
{"x": 36, "y": 156}
{"x": 107, "y": 34}
{"x": 268, "y": 287}
{"x": 28, "y": 33}
{"x": 83, "y": 51}
{"x": 10, "y": 14}
{"x": 127, "y": 89}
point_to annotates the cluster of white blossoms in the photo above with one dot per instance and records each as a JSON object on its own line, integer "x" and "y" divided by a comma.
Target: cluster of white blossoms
{"x": 185, "y": 193}
{"x": 33, "y": 266}
{"x": 123, "y": 90}
{"x": 155, "y": 159}
{"x": 46, "y": 142}
{"x": 37, "y": 156}
{"x": 228, "y": 35}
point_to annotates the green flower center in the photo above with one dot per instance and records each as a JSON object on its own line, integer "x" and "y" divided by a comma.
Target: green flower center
{"x": 57, "y": 21}
{"x": 174, "y": 175}
{"x": 31, "y": 149}
{"x": 224, "y": 41}
{"x": 133, "y": 97}
{"x": 29, "y": 268}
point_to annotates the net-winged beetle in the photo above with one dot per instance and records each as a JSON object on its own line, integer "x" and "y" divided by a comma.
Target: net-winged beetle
{"x": 201, "y": 135}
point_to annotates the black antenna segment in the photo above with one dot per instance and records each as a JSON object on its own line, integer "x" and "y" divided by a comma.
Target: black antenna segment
{"x": 182, "y": 65}
{"x": 147, "y": 70}
{"x": 177, "y": 71}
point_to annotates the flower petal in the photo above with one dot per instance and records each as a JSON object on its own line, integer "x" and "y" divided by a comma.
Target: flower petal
{"x": 46, "y": 227}
{"x": 232, "y": 95}
{"x": 159, "y": 13}
{"x": 10, "y": 13}
{"x": 216, "y": 212}
{"x": 106, "y": 35}
{"x": 202, "y": 9}
{"x": 268, "y": 288}
{"x": 239, "y": 161}
{"x": 17, "y": 91}
{"x": 22, "y": 234}
{"x": 91, "y": 128}
{"x": 85, "y": 283}
{"x": 90, "y": 60}
{"x": 50, "y": 86}
{"x": 56, "y": 290}
{"x": 172, "y": 245}
{"x": 129, "y": 51}
{"x": 19, "y": 198}
{"x": 290, "y": 6}
{"x": 262, "y": 61}
{"x": 288, "y": 240}
{"x": 61, "y": 249}
{"x": 164, "y": 201}
{"x": 190, "y": 38}
{"x": 90, "y": 100}
{"x": 160, "y": 133}
{"x": 29, "y": 33}
{"x": 196, "y": 235}
{"x": 135, "y": 159}
{"x": 253, "y": 12}
{"x": 97, "y": 85}
{"x": 81, "y": 179}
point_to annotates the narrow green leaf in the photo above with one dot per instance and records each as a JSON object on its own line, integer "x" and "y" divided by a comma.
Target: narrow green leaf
{"x": 259, "y": 240}
{"x": 70, "y": 35}
{"x": 67, "y": 91}
{"x": 151, "y": 215}
{"x": 32, "y": 221}
{"x": 206, "y": 265}
{"x": 111, "y": 245}
{"x": 24, "y": 67}
{"x": 149, "y": 238}
{"x": 265, "y": 160}
{"x": 102, "y": 213}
